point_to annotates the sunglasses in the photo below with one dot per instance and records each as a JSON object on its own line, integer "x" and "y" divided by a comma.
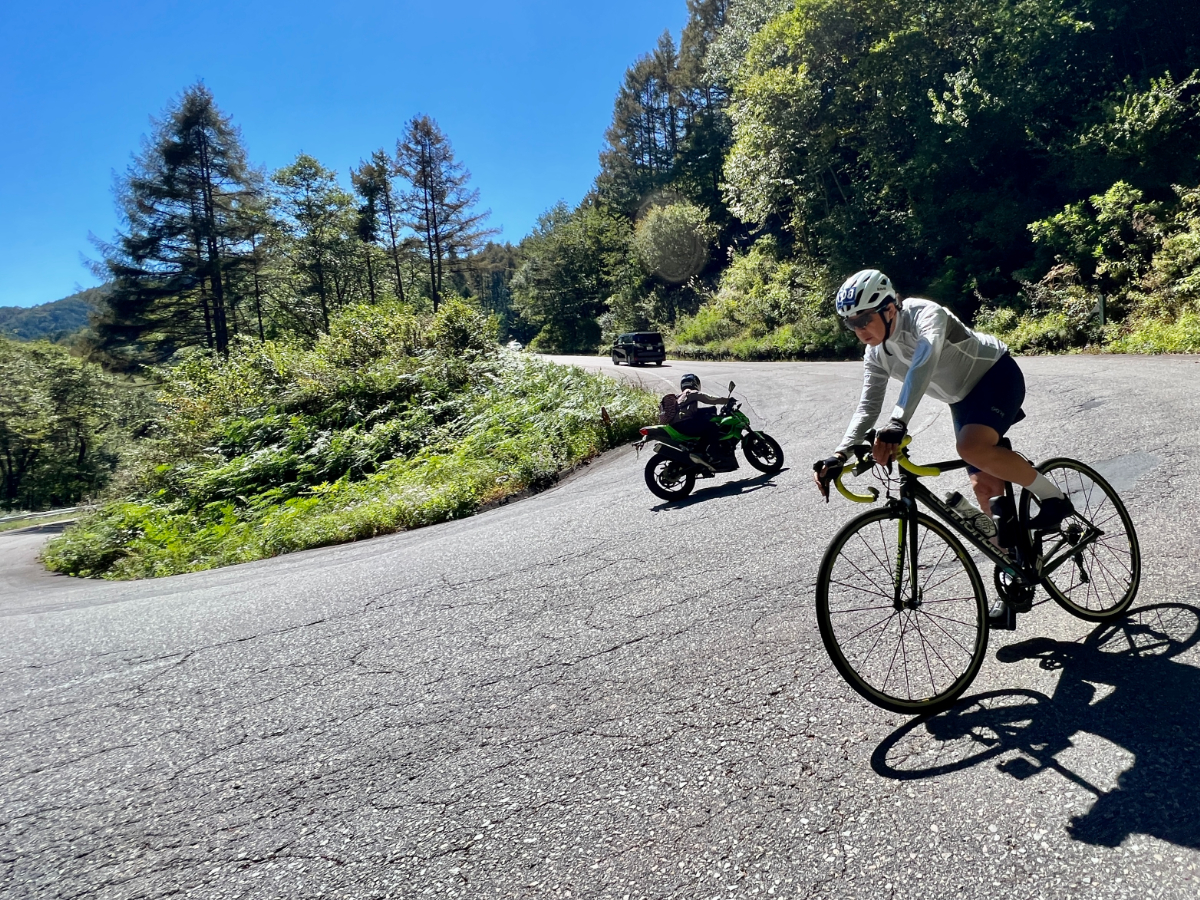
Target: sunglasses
{"x": 862, "y": 320}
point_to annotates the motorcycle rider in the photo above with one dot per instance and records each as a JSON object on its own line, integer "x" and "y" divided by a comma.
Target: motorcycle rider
{"x": 927, "y": 347}
{"x": 696, "y": 421}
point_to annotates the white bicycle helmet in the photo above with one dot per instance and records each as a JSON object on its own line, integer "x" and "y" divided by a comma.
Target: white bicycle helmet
{"x": 862, "y": 291}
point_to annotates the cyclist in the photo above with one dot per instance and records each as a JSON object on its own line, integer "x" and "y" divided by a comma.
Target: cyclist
{"x": 930, "y": 350}
{"x": 694, "y": 420}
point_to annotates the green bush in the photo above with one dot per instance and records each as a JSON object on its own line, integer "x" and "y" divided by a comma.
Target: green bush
{"x": 1180, "y": 334}
{"x": 388, "y": 423}
{"x": 1144, "y": 260}
{"x": 1060, "y": 315}
{"x": 766, "y": 308}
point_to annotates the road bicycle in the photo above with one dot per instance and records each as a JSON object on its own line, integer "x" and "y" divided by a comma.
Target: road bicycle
{"x": 901, "y": 606}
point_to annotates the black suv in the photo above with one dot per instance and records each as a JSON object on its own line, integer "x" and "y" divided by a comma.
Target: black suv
{"x": 639, "y": 348}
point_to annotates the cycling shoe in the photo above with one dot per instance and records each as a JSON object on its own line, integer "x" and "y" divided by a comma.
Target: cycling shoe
{"x": 1053, "y": 511}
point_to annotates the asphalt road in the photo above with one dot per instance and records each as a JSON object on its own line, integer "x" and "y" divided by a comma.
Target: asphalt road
{"x": 589, "y": 693}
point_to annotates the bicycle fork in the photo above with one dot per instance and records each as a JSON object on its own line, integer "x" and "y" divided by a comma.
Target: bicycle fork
{"x": 906, "y": 546}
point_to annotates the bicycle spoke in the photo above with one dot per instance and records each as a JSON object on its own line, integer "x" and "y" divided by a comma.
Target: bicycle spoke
{"x": 850, "y": 639}
{"x": 935, "y": 621}
{"x": 917, "y": 656}
{"x": 1111, "y": 560}
{"x": 882, "y": 566}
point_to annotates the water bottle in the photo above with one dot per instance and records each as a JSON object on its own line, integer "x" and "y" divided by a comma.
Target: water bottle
{"x": 967, "y": 511}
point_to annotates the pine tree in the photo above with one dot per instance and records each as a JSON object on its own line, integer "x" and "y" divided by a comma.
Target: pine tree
{"x": 646, "y": 131}
{"x": 317, "y": 232}
{"x": 708, "y": 132}
{"x": 439, "y": 206}
{"x": 186, "y": 202}
{"x": 706, "y": 18}
{"x": 375, "y": 177}
{"x": 369, "y": 186}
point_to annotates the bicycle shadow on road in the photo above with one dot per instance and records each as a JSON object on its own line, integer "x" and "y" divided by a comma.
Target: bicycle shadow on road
{"x": 723, "y": 489}
{"x": 1122, "y": 683}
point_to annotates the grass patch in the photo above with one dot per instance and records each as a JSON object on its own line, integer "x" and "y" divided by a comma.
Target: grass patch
{"x": 1178, "y": 335}
{"x": 389, "y": 423}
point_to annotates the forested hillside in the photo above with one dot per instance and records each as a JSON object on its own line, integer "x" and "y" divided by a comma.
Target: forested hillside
{"x": 65, "y": 424}
{"x": 1019, "y": 159}
{"x": 1015, "y": 159}
{"x": 58, "y": 321}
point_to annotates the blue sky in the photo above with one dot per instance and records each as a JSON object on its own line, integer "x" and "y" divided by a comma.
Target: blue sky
{"x": 524, "y": 90}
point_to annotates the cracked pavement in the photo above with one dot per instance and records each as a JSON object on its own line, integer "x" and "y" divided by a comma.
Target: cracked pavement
{"x": 590, "y": 693}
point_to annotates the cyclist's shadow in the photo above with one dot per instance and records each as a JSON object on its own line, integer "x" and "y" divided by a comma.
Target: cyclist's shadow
{"x": 1149, "y": 710}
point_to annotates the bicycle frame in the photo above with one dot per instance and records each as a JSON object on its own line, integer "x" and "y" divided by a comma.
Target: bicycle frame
{"x": 1027, "y": 562}
{"x": 936, "y": 614}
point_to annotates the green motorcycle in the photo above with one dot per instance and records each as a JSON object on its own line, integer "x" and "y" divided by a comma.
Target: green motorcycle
{"x": 676, "y": 462}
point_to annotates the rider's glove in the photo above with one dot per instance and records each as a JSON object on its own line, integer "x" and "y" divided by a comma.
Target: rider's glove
{"x": 893, "y": 432}
{"x": 825, "y": 471}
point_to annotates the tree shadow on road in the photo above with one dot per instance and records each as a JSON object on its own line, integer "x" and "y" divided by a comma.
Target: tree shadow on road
{"x": 1122, "y": 683}
{"x": 722, "y": 489}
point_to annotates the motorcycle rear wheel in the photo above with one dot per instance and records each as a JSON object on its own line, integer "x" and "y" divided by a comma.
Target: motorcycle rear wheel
{"x": 763, "y": 452}
{"x": 667, "y": 478}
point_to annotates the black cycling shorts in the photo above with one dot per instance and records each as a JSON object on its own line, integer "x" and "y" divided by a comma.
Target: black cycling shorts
{"x": 995, "y": 401}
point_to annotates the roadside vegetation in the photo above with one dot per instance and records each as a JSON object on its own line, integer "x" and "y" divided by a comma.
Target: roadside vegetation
{"x": 1015, "y": 161}
{"x": 65, "y": 425}
{"x": 393, "y": 420}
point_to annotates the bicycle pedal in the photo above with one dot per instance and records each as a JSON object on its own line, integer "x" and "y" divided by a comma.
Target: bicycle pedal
{"x": 1022, "y": 604}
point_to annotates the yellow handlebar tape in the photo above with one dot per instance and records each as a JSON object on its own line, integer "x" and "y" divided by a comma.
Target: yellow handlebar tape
{"x": 857, "y": 498}
{"x": 909, "y": 466}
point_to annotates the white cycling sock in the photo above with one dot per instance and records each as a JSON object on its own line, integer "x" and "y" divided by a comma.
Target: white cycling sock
{"x": 1043, "y": 488}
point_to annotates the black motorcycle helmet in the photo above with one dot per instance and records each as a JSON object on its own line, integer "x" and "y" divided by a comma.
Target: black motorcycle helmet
{"x": 689, "y": 382}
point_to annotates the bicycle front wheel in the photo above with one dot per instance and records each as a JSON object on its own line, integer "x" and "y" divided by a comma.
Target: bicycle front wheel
{"x": 910, "y": 639}
{"x": 1100, "y": 581}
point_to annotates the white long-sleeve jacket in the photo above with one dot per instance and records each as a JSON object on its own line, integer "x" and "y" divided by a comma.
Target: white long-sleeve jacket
{"x": 932, "y": 352}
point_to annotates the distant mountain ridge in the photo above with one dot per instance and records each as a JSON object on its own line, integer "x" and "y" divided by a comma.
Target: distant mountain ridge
{"x": 56, "y": 321}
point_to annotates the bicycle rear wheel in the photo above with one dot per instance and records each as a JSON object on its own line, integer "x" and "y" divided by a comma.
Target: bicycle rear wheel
{"x": 1100, "y": 581}
{"x": 912, "y": 650}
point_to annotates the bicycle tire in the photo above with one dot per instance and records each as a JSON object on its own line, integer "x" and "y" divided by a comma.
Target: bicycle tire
{"x": 1104, "y": 579}
{"x": 938, "y": 649}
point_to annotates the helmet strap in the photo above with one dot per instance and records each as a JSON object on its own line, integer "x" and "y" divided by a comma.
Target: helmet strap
{"x": 887, "y": 326}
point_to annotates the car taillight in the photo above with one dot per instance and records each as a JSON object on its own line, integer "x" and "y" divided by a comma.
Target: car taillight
{"x": 645, "y": 431}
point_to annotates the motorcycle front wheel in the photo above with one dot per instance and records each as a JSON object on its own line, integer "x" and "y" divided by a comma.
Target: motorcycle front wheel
{"x": 763, "y": 452}
{"x": 668, "y": 479}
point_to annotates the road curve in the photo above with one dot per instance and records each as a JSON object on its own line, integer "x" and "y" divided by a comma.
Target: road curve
{"x": 589, "y": 693}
